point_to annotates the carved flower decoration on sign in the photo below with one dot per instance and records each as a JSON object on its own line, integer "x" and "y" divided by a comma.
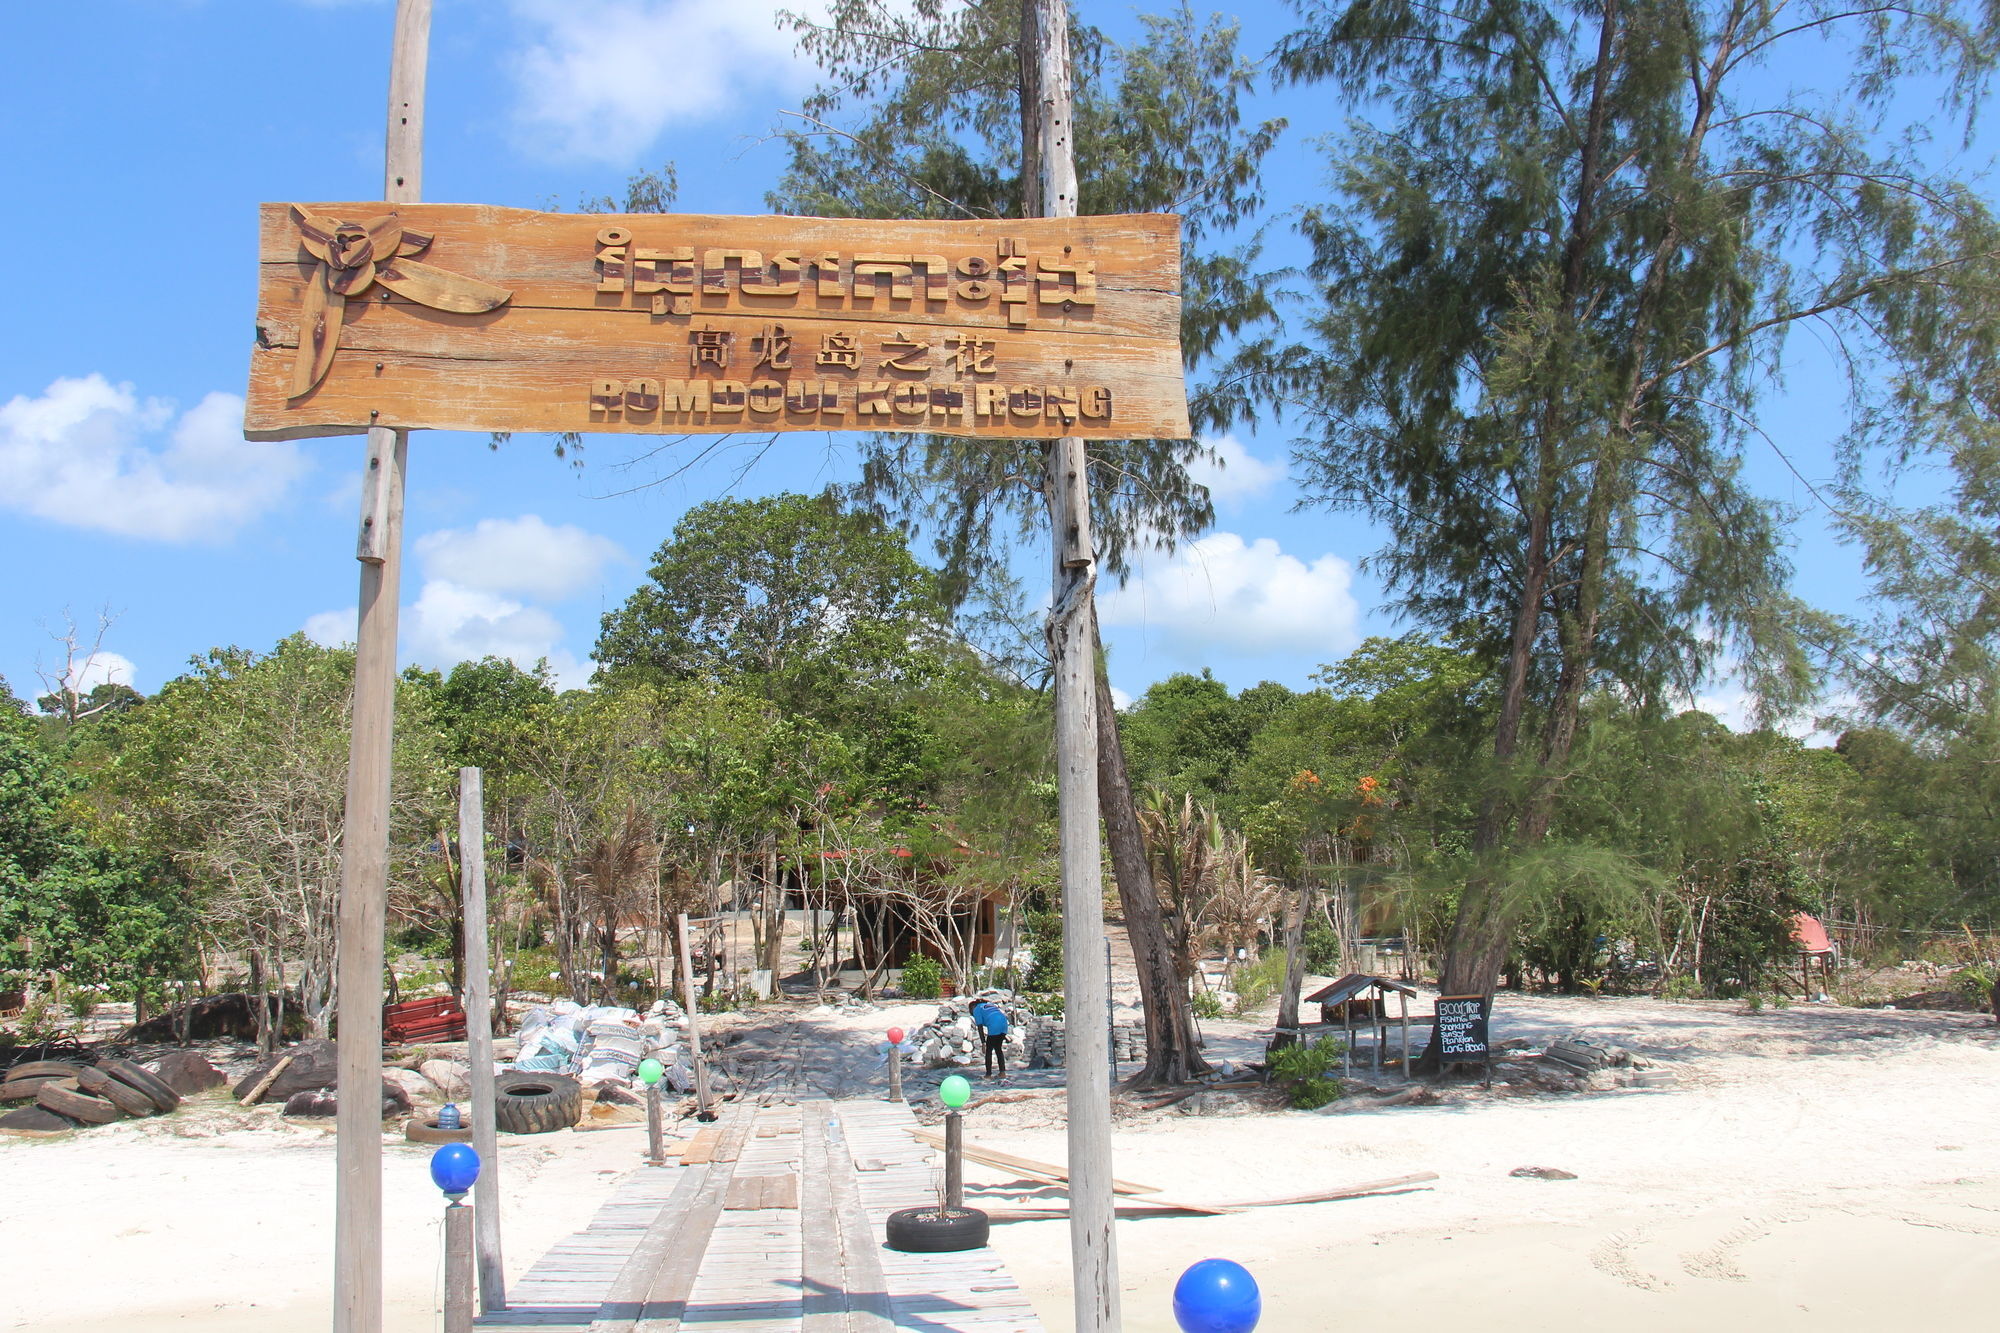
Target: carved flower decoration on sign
{"x": 354, "y": 255}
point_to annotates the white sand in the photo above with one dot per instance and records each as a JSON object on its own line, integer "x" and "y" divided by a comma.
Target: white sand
{"x": 1814, "y": 1168}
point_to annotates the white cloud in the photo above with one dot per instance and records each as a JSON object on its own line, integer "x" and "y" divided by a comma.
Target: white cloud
{"x": 1728, "y": 700}
{"x": 100, "y": 668}
{"x": 1221, "y": 595}
{"x": 524, "y": 555}
{"x": 450, "y": 623}
{"x": 1231, "y": 472}
{"x": 1119, "y": 699}
{"x": 85, "y": 454}
{"x": 602, "y": 82}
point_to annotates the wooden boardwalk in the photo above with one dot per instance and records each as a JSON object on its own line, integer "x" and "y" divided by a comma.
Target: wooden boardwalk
{"x": 779, "y": 1229}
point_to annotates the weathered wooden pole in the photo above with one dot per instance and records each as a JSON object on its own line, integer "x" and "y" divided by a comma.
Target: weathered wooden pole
{"x": 364, "y": 861}
{"x": 701, "y": 1106}
{"x": 459, "y": 1224}
{"x": 1093, "y": 1244}
{"x": 478, "y": 1003}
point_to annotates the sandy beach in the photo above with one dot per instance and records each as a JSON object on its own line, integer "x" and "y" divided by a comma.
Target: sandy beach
{"x": 1812, "y": 1167}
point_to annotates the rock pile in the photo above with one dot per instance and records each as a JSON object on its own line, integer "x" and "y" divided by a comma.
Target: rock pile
{"x": 952, "y": 1038}
{"x": 1049, "y": 1046}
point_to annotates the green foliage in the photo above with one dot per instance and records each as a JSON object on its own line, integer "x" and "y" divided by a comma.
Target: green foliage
{"x": 1258, "y": 982}
{"x": 1043, "y": 930}
{"x": 1047, "y": 1004}
{"x": 1205, "y": 1003}
{"x": 1304, "y": 1071}
{"x": 1975, "y": 982}
{"x": 923, "y": 977}
{"x": 1321, "y": 947}
{"x": 68, "y": 905}
{"x": 934, "y": 92}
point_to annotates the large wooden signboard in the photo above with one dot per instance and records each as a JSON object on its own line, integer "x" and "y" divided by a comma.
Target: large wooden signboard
{"x": 464, "y": 317}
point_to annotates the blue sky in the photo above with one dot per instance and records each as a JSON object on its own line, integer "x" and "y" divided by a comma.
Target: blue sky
{"x": 138, "y": 149}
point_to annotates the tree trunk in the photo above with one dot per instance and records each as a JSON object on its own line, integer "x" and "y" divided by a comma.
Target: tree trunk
{"x": 1171, "y": 1055}
{"x": 1296, "y": 913}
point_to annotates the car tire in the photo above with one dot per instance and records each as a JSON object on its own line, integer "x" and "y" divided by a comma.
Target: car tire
{"x": 24, "y": 1089}
{"x": 127, "y": 1099}
{"x": 51, "y": 1068}
{"x": 35, "y": 1122}
{"x": 932, "y": 1230}
{"x": 531, "y": 1103}
{"x": 164, "y": 1098}
{"x": 78, "y": 1106}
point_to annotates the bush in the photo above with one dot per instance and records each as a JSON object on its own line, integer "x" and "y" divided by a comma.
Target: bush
{"x": 1206, "y": 1004}
{"x": 1259, "y": 981}
{"x": 1321, "y": 948}
{"x": 1302, "y": 1070}
{"x": 923, "y": 977}
{"x": 1044, "y": 932}
{"x": 1046, "y": 1004}
{"x": 1975, "y": 983}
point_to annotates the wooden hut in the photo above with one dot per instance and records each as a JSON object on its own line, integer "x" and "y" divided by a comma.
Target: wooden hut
{"x": 1361, "y": 996}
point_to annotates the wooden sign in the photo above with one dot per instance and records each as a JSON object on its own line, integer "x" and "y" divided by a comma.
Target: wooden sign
{"x": 1461, "y": 1027}
{"x": 465, "y": 317}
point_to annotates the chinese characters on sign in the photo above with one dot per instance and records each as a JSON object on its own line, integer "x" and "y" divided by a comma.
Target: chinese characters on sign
{"x": 699, "y": 324}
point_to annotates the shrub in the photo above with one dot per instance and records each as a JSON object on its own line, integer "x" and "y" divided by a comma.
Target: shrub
{"x": 1044, "y": 932}
{"x": 1302, "y": 1070}
{"x": 1975, "y": 983}
{"x": 923, "y": 977}
{"x": 1259, "y": 981}
{"x": 1206, "y": 1004}
{"x": 1047, "y": 1004}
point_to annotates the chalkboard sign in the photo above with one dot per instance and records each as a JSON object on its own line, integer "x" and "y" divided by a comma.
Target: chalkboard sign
{"x": 1461, "y": 1027}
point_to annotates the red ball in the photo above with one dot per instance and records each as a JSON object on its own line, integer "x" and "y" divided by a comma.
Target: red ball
{"x": 895, "y": 1036}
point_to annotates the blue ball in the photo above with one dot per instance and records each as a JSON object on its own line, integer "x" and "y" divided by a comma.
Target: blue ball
{"x": 1217, "y": 1296}
{"x": 454, "y": 1167}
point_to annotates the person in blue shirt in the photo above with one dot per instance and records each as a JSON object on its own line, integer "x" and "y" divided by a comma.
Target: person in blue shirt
{"x": 993, "y": 1024}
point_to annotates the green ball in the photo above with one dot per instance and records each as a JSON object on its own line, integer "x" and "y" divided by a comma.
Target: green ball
{"x": 955, "y": 1091}
{"x": 650, "y": 1071}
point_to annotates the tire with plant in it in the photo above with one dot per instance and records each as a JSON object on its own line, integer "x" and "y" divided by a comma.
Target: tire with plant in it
{"x": 419, "y": 1130}
{"x": 931, "y": 1230}
{"x": 78, "y": 1106}
{"x": 164, "y": 1098}
{"x": 531, "y": 1103}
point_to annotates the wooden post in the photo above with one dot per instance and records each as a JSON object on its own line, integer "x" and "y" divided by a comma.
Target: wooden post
{"x": 364, "y": 867}
{"x": 656, "y": 1153}
{"x": 1404, "y": 997}
{"x": 954, "y": 1162}
{"x": 478, "y": 1003}
{"x": 694, "y": 1025}
{"x": 458, "y": 1298}
{"x": 895, "y": 1071}
{"x": 1093, "y": 1243}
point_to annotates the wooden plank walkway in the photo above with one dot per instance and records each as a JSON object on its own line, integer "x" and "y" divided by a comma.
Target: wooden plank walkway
{"x": 776, "y": 1228}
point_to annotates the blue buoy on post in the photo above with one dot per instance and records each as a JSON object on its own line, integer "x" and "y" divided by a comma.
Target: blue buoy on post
{"x": 1217, "y": 1296}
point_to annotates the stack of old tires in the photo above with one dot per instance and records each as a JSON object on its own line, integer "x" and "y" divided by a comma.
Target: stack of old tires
{"x": 55, "y": 1096}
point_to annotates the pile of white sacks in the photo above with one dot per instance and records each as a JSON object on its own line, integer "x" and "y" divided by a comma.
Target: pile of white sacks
{"x": 952, "y": 1038}
{"x": 604, "y": 1043}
